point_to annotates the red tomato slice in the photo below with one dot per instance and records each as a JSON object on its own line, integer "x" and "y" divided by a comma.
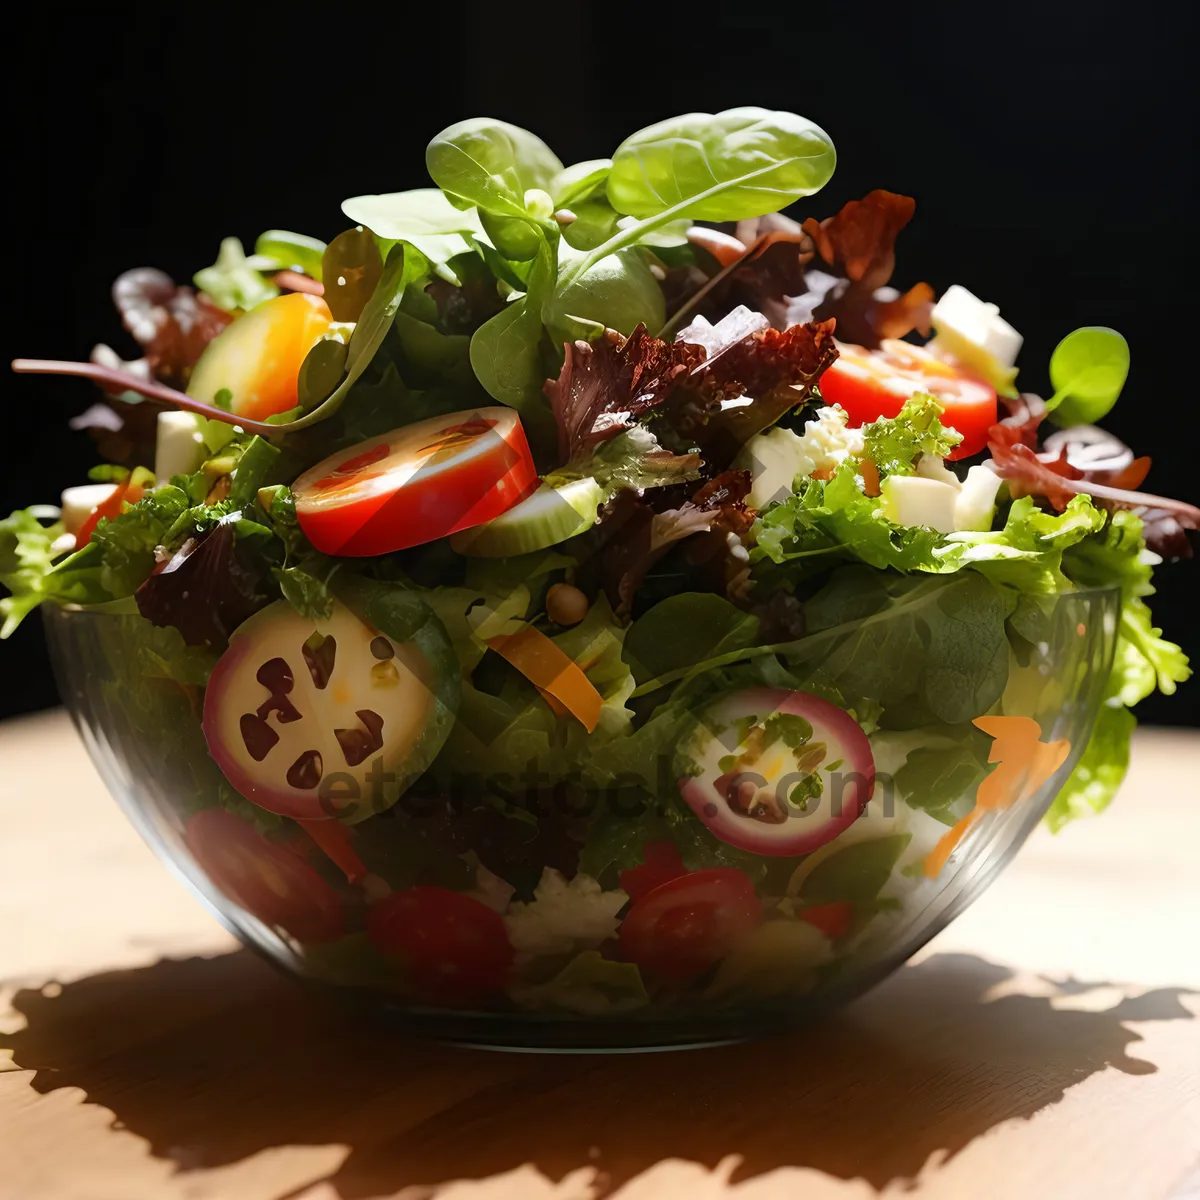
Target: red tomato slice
{"x": 833, "y": 919}
{"x": 416, "y": 484}
{"x": 456, "y": 947}
{"x": 870, "y": 384}
{"x": 681, "y": 928}
{"x": 269, "y": 881}
{"x": 113, "y": 506}
{"x": 660, "y": 864}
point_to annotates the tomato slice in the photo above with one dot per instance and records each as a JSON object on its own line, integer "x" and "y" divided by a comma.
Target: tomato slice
{"x": 660, "y": 864}
{"x": 870, "y": 384}
{"x": 833, "y": 919}
{"x": 680, "y": 928}
{"x": 269, "y": 881}
{"x": 416, "y": 484}
{"x": 126, "y": 493}
{"x": 320, "y": 719}
{"x": 456, "y": 947}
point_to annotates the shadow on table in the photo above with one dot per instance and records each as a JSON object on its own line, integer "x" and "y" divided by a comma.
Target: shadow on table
{"x": 213, "y": 1060}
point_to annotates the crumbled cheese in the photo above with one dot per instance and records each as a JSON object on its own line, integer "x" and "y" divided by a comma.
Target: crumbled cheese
{"x": 563, "y": 916}
{"x": 778, "y": 457}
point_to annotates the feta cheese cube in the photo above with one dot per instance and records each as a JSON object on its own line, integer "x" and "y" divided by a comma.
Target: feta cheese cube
{"x": 912, "y": 500}
{"x": 179, "y": 448}
{"x": 79, "y": 502}
{"x": 976, "y": 501}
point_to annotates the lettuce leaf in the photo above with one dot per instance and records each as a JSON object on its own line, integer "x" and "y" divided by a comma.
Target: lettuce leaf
{"x": 895, "y": 444}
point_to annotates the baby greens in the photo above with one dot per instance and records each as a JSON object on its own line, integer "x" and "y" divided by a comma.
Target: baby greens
{"x": 1088, "y": 370}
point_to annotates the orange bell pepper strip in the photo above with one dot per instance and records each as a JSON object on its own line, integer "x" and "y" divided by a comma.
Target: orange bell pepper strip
{"x": 556, "y": 676}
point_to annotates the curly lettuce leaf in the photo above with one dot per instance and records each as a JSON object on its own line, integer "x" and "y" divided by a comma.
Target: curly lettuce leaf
{"x": 894, "y": 444}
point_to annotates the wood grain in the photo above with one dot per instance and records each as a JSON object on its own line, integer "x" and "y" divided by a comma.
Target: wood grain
{"x": 1043, "y": 1046}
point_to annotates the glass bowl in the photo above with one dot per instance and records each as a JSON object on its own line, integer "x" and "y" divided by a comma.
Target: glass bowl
{"x": 473, "y": 926}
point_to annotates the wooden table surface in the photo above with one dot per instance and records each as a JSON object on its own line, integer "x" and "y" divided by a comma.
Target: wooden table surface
{"x": 1046, "y": 1045}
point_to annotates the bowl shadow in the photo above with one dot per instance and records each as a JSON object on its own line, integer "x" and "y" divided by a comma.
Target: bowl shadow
{"x": 212, "y": 1060}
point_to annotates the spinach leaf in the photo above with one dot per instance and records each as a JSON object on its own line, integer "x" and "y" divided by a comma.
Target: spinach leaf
{"x": 1088, "y": 370}
{"x": 967, "y": 665}
{"x": 937, "y": 778}
{"x": 491, "y": 164}
{"x": 857, "y": 873}
{"x": 579, "y": 182}
{"x": 727, "y": 166}
{"x": 619, "y": 292}
{"x": 287, "y": 250}
{"x": 681, "y": 629}
{"x": 405, "y": 265}
{"x": 506, "y": 350}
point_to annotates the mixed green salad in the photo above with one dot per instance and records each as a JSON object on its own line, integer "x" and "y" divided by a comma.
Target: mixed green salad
{"x": 577, "y": 588}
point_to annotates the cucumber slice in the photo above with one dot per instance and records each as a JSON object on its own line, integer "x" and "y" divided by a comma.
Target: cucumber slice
{"x": 549, "y": 516}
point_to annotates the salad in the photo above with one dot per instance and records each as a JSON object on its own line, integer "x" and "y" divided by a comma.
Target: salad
{"x": 585, "y": 589}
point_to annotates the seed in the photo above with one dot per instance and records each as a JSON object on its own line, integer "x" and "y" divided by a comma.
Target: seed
{"x": 566, "y": 605}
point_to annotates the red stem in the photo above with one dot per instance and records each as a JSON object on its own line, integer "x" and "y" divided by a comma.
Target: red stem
{"x": 293, "y": 281}
{"x": 149, "y": 388}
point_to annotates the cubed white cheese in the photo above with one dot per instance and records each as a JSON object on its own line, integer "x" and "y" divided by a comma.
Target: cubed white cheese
{"x": 976, "y": 501}
{"x": 962, "y": 315}
{"x": 773, "y": 460}
{"x": 179, "y": 448}
{"x": 911, "y": 500}
{"x": 929, "y": 466}
{"x": 778, "y": 457}
{"x": 78, "y": 503}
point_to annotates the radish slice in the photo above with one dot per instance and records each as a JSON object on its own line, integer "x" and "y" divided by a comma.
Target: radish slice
{"x": 778, "y": 773}
{"x": 320, "y": 719}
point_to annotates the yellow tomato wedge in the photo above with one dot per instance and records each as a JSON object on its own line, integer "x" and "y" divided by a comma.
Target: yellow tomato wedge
{"x": 257, "y": 358}
{"x": 559, "y": 678}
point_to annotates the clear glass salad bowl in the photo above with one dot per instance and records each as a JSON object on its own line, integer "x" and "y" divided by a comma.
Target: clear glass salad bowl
{"x": 655, "y": 957}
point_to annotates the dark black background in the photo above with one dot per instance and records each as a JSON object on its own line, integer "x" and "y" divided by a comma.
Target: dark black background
{"x": 1049, "y": 147}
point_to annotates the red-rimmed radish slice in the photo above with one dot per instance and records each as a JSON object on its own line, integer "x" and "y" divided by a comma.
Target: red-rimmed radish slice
{"x": 321, "y": 719}
{"x": 269, "y": 881}
{"x": 416, "y": 484}
{"x": 257, "y": 358}
{"x": 870, "y": 384}
{"x": 778, "y": 773}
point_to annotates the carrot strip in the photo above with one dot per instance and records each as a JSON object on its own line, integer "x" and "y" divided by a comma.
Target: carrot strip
{"x": 552, "y": 672}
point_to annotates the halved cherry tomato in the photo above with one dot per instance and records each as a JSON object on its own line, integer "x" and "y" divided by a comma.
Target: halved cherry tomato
{"x": 660, "y": 864}
{"x": 124, "y": 493}
{"x": 681, "y": 928}
{"x": 870, "y": 384}
{"x": 416, "y": 484}
{"x": 833, "y": 919}
{"x": 456, "y": 947}
{"x": 257, "y": 358}
{"x": 269, "y": 881}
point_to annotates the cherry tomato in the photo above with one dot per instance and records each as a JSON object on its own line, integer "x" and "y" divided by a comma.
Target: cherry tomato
{"x": 870, "y": 384}
{"x": 416, "y": 484}
{"x": 113, "y": 506}
{"x": 257, "y": 358}
{"x": 660, "y": 864}
{"x": 269, "y": 881}
{"x": 681, "y": 928}
{"x": 456, "y": 947}
{"x": 833, "y": 919}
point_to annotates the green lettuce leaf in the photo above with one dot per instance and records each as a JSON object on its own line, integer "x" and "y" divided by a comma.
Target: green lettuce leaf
{"x": 894, "y": 444}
